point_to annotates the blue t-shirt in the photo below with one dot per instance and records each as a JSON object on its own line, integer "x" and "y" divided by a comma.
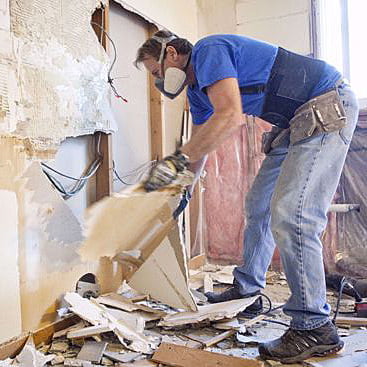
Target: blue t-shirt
{"x": 250, "y": 61}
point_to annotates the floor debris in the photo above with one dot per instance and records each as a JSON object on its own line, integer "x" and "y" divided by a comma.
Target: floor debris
{"x": 176, "y": 355}
{"x": 98, "y": 315}
{"x": 211, "y": 312}
{"x": 134, "y": 330}
{"x": 92, "y": 351}
{"x": 31, "y": 357}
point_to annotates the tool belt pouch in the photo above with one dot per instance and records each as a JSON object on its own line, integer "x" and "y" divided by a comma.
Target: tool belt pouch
{"x": 322, "y": 114}
{"x": 273, "y": 138}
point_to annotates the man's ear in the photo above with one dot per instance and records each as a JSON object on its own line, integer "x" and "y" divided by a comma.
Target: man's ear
{"x": 172, "y": 53}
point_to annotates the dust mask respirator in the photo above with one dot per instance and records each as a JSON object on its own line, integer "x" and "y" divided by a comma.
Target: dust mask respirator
{"x": 174, "y": 79}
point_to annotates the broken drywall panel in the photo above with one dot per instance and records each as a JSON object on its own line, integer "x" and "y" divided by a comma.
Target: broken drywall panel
{"x": 118, "y": 301}
{"x": 87, "y": 332}
{"x": 162, "y": 278}
{"x": 125, "y": 221}
{"x": 41, "y": 261}
{"x": 97, "y": 315}
{"x": 61, "y": 84}
{"x": 10, "y": 320}
{"x": 92, "y": 351}
{"x": 133, "y": 320}
{"x": 86, "y": 310}
{"x": 41, "y": 289}
{"x": 180, "y": 251}
{"x": 31, "y": 357}
{"x": 212, "y": 312}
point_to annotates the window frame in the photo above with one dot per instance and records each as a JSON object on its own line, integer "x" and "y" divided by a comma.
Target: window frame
{"x": 316, "y": 39}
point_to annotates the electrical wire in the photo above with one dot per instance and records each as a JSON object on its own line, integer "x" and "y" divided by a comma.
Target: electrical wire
{"x": 80, "y": 182}
{"x": 270, "y": 309}
{"x": 109, "y": 77}
{"x": 345, "y": 283}
{"x": 138, "y": 173}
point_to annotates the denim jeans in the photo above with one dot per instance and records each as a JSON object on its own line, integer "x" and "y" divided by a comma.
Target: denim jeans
{"x": 287, "y": 205}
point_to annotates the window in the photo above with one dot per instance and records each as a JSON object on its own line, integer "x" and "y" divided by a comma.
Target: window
{"x": 341, "y": 40}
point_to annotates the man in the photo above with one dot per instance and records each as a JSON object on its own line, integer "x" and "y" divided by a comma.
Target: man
{"x": 314, "y": 115}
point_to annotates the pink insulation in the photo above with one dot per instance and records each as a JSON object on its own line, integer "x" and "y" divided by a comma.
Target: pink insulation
{"x": 230, "y": 173}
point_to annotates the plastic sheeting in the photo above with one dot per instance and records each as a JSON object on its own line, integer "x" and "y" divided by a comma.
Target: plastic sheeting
{"x": 230, "y": 173}
{"x": 351, "y": 254}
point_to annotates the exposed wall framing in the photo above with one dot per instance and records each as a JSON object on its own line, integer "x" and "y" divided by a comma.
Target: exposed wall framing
{"x": 104, "y": 175}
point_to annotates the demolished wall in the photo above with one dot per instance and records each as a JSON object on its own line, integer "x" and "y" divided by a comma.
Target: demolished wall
{"x": 48, "y": 75}
{"x": 51, "y": 67}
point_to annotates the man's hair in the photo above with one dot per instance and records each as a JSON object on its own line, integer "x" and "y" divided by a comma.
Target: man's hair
{"x": 152, "y": 47}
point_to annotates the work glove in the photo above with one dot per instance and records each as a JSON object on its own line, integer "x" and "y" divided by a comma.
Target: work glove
{"x": 166, "y": 171}
{"x": 185, "y": 198}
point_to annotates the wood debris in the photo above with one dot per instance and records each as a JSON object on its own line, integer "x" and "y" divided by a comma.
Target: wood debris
{"x": 118, "y": 324}
{"x": 353, "y": 321}
{"x": 179, "y": 356}
{"x": 64, "y": 332}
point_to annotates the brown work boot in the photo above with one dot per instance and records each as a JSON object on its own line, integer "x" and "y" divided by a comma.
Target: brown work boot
{"x": 297, "y": 345}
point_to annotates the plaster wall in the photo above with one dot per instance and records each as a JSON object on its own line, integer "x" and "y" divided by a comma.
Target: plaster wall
{"x": 179, "y": 16}
{"x": 282, "y": 22}
{"x": 131, "y": 142}
{"x": 72, "y": 157}
{"x": 9, "y": 280}
{"x": 216, "y": 16}
{"x": 48, "y": 79}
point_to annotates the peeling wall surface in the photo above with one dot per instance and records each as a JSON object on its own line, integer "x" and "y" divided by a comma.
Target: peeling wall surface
{"x": 51, "y": 67}
{"x": 49, "y": 236}
{"x": 53, "y": 84}
{"x": 48, "y": 77}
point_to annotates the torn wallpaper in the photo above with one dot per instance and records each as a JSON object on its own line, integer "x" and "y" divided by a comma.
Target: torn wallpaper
{"x": 53, "y": 72}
